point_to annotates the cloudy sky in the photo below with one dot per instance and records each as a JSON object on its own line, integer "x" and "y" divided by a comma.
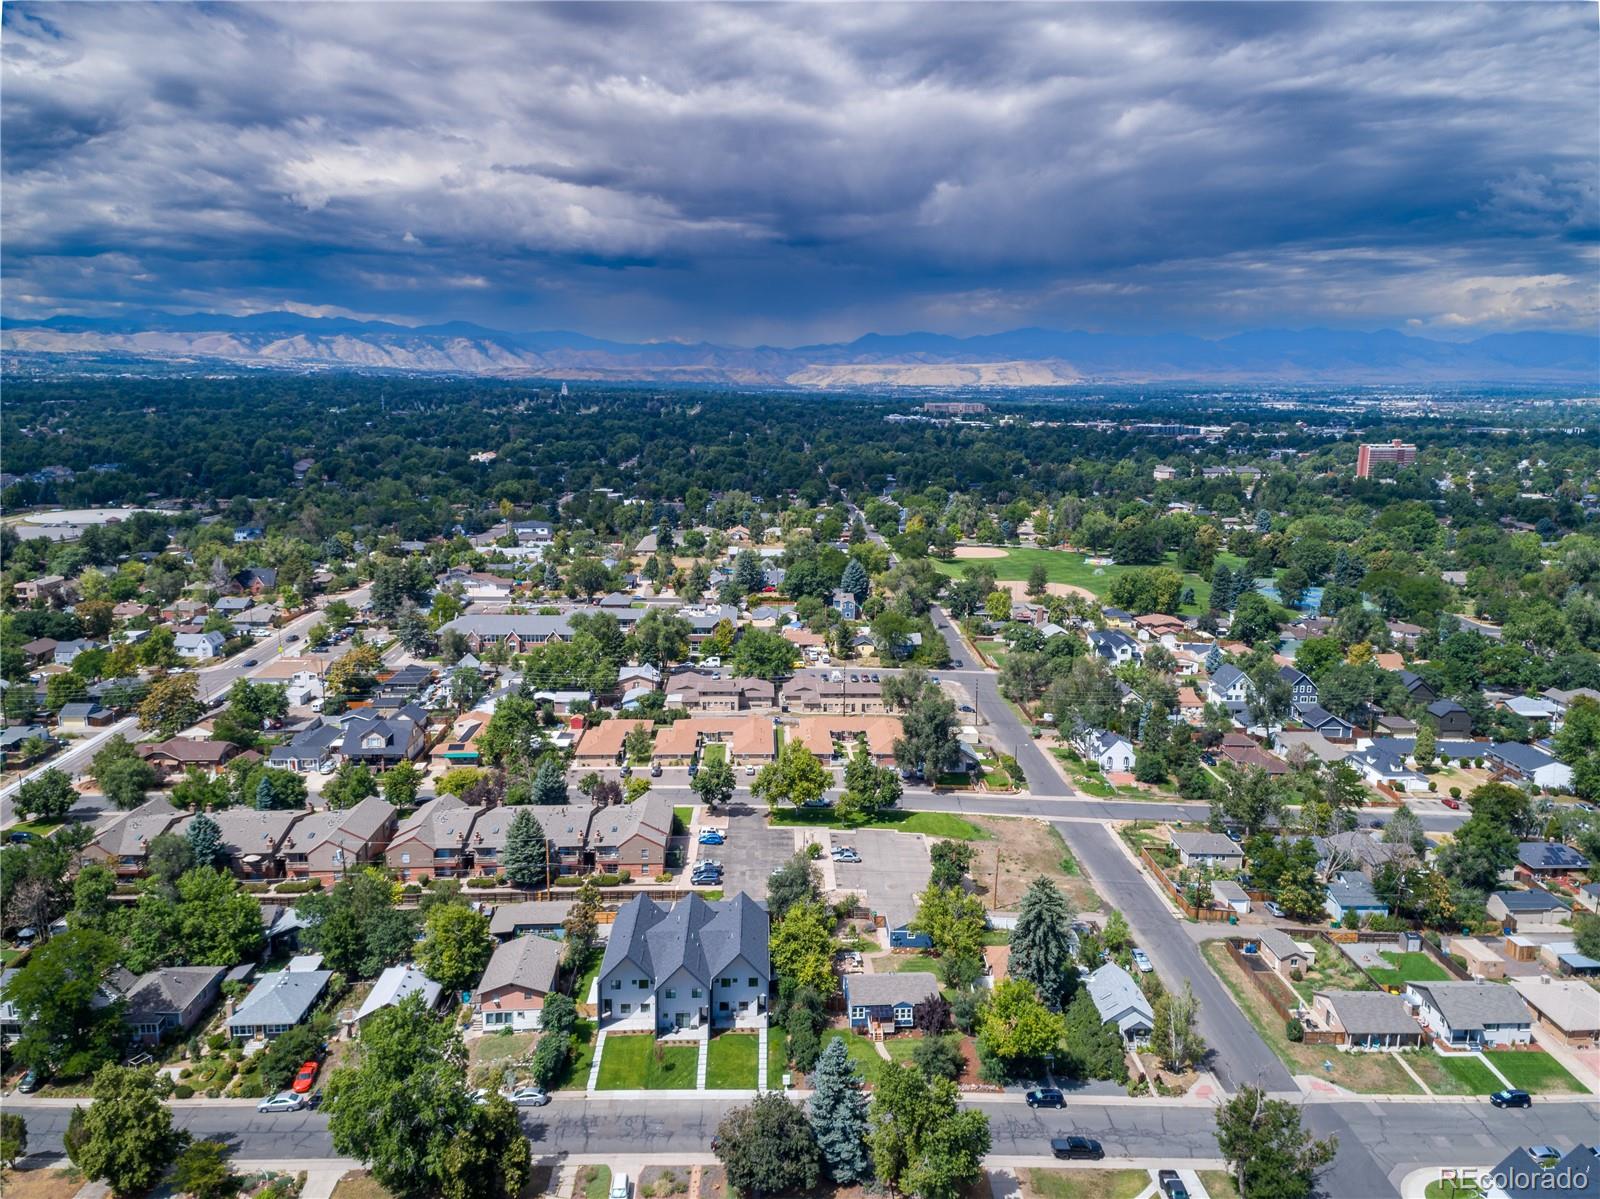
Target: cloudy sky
{"x": 783, "y": 174}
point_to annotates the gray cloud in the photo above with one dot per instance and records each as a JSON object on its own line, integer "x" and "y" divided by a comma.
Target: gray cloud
{"x": 751, "y": 172}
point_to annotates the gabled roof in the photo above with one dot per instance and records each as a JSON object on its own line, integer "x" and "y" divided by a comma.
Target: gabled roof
{"x": 283, "y": 997}
{"x": 1280, "y": 943}
{"x": 441, "y": 823}
{"x": 1352, "y": 890}
{"x": 167, "y": 991}
{"x": 132, "y": 834}
{"x": 394, "y": 984}
{"x": 1117, "y": 996}
{"x": 1371, "y": 1013}
{"x": 1226, "y": 675}
{"x": 693, "y": 934}
{"x": 1550, "y": 855}
{"x": 887, "y": 990}
{"x": 1206, "y": 845}
{"x": 529, "y": 961}
{"x": 1469, "y": 1005}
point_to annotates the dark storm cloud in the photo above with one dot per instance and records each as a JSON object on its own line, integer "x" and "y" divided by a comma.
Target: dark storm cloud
{"x": 789, "y": 173}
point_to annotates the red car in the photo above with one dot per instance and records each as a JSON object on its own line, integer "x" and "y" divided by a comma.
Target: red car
{"x": 1450, "y": 803}
{"x": 306, "y": 1079}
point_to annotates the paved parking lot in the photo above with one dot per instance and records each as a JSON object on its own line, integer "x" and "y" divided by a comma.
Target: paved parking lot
{"x": 893, "y": 866}
{"x": 752, "y": 852}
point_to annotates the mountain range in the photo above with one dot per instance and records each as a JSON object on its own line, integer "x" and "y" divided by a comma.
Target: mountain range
{"x": 1019, "y": 358}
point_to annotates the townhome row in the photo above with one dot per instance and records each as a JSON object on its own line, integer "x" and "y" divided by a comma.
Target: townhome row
{"x": 749, "y": 740}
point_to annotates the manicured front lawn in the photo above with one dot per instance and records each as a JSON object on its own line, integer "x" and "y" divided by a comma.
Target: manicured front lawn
{"x": 777, "y": 1057}
{"x": 1450, "y": 1188}
{"x": 1535, "y": 1071}
{"x": 1453, "y": 1075}
{"x": 591, "y": 971}
{"x": 1374, "y": 1073}
{"x": 680, "y": 820}
{"x": 39, "y": 828}
{"x": 932, "y": 824}
{"x": 861, "y": 1049}
{"x": 631, "y": 1062}
{"x": 731, "y": 1061}
{"x": 1088, "y": 1184}
{"x": 1408, "y": 968}
{"x": 714, "y": 752}
{"x": 1219, "y": 1184}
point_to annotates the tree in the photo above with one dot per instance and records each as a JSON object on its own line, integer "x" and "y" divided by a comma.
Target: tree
{"x": 403, "y": 1102}
{"x": 202, "y": 1171}
{"x": 1405, "y": 828}
{"x": 714, "y": 782}
{"x": 950, "y": 861}
{"x": 796, "y": 881}
{"x": 412, "y": 631}
{"x": 1426, "y": 747}
{"x": 1586, "y": 934}
{"x": 527, "y": 858}
{"x": 767, "y": 1148}
{"x": 1038, "y": 580}
{"x": 457, "y": 946}
{"x": 796, "y": 777}
{"x": 1094, "y": 1047}
{"x": 763, "y": 654}
{"x": 1015, "y": 1026}
{"x": 350, "y": 784}
{"x": 928, "y": 742}
{"x": 122, "y": 775}
{"x": 953, "y": 920}
{"x": 400, "y": 784}
{"x": 1253, "y": 619}
{"x": 172, "y": 705}
{"x": 167, "y": 860}
{"x": 855, "y": 580}
{"x": 205, "y": 841}
{"x": 802, "y": 947}
{"x": 91, "y": 896}
{"x": 63, "y": 689}
{"x": 1041, "y": 944}
{"x": 57, "y": 996}
{"x": 1177, "y": 1038}
{"x": 868, "y": 787}
{"x": 582, "y": 923}
{"x": 661, "y": 638}
{"x": 550, "y": 783}
{"x": 490, "y": 1157}
{"x": 748, "y": 574}
{"x": 938, "y": 1057}
{"x": 1268, "y": 1152}
{"x": 13, "y": 1137}
{"x": 355, "y": 926}
{"x": 838, "y": 1112}
{"x": 126, "y": 1138}
{"x": 922, "y": 1144}
{"x": 291, "y": 1049}
{"x": 49, "y": 795}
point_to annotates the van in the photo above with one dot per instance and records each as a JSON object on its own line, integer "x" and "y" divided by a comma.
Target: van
{"x": 619, "y": 1186}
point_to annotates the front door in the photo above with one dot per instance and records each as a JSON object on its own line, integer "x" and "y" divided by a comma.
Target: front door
{"x": 681, "y": 1019}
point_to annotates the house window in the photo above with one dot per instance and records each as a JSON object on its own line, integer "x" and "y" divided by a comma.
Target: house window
{"x": 726, "y": 983}
{"x": 858, "y": 1013}
{"x": 405, "y": 858}
{"x": 642, "y": 983}
{"x": 695, "y": 993}
{"x": 752, "y": 981}
{"x": 671, "y": 994}
{"x": 723, "y": 1006}
{"x": 627, "y": 1008}
{"x": 616, "y": 984}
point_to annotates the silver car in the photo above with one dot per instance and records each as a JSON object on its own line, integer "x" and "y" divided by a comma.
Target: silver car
{"x": 283, "y": 1101}
{"x": 528, "y": 1097}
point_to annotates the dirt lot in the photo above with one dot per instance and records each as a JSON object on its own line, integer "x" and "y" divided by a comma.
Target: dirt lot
{"x": 1026, "y": 849}
{"x": 40, "y": 1184}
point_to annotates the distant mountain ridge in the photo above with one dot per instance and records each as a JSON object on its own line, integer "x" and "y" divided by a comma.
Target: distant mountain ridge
{"x": 1017, "y": 358}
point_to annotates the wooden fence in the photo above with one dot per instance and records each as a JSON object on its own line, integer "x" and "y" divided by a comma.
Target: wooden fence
{"x": 1213, "y": 915}
{"x": 1277, "y": 993}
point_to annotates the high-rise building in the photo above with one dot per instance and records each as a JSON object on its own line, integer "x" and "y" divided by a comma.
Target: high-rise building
{"x": 1396, "y": 451}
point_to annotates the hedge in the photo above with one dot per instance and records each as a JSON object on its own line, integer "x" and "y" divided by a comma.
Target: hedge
{"x": 299, "y": 886}
{"x": 496, "y": 880}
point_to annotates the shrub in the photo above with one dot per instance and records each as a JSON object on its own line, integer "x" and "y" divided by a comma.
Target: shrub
{"x": 1294, "y": 1030}
{"x": 813, "y": 850}
{"x": 567, "y": 880}
{"x": 663, "y": 877}
{"x": 213, "y": 1093}
{"x": 1433, "y": 784}
{"x": 1455, "y": 792}
{"x": 183, "y": 1091}
{"x": 483, "y": 881}
{"x": 299, "y": 886}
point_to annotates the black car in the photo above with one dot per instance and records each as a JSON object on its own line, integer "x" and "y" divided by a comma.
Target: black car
{"x": 1511, "y": 1099}
{"x": 1077, "y": 1148}
{"x": 1171, "y": 1185}
{"x": 1046, "y": 1097}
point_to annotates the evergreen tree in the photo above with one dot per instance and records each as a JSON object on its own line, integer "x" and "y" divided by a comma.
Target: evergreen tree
{"x": 1041, "y": 943}
{"x": 839, "y": 1115}
{"x": 549, "y": 783}
{"x": 205, "y": 839}
{"x": 526, "y": 863}
{"x": 1222, "y": 587}
{"x": 855, "y": 580}
{"x": 264, "y": 796}
{"x": 1263, "y": 521}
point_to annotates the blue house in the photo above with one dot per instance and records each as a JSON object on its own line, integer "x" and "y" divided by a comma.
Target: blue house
{"x": 1351, "y": 892}
{"x": 844, "y": 603}
{"x": 888, "y": 1000}
{"x": 246, "y": 533}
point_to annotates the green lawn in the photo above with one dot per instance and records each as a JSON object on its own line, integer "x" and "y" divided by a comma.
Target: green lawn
{"x": 680, "y": 820}
{"x": 9, "y": 956}
{"x": 577, "y": 1074}
{"x": 596, "y": 1181}
{"x": 915, "y": 962}
{"x": 591, "y": 971}
{"x": 1088, "y": 1183}
{"x": 731, "y": 1061}
{"x": 631, "y": 1062}
{"x": 1534, "y": 1070}
{"x": 933, "y": 824}
{"x": 1442, "y": 1188}
{"x": 1060, "y": 566}
{"x": 777, "y": 1057}
{"x": 1454, "y": 1075}
{"x": 861, "y": 1049}
{"x": 39, "y": 828}
{"x": 1408, "y": 968}
{"x": 714, "y": 752}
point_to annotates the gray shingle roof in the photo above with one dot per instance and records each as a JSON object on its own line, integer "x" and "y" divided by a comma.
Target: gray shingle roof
{"x": 529, "y": 961}
{"x": 1116, "y": 995}
{"x": 1280, "y": 943}
{"x": 1469, "y": 1005}
{"x": 1550, "y": 855}
{"x": 886, "y": 990}
{"x": 1206, "y": 845}
{"x": 1371, "y": 1012}
{"x": 280, "y": 998}
{"x": 166, "y": 992}
{"x": 693, "y": 934}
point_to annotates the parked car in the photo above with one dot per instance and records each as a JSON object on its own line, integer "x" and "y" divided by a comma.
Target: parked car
{"x": 749, "y": 770}
{"x": 955, "y": 663}
{"x": 30, "y": 1083}
{"x": 711, "y": 836}
{"x": 1451, "y": 802}
{"x": 480, "y": 1096}
{"x": 619, "y": 1187}
{"x": 1046, "y": 1097}
{"x": 846, "y": 855}
{"x": 528, "y": 1097}
{"x": 1077, "y": 1148}
{"x": 1171, "y": 1185}
{"x": 1142, "y": 960}
{"x": 1274, "y": 908}
{"x": 306, "y": 1079}
{"x": 655, "y": 770}
{"x": 283, "y": 1101}
{"x": 250, "y": 662}
{"x": 966, "y": 708}
{"x": 21, "y": 837}
{"x": 1511, "y": 1098}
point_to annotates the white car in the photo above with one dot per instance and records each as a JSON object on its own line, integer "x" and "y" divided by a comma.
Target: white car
{"x": 283, "y": 1101}
{"x": 1142, "y": 960}
{"x": 527, "y": 1097}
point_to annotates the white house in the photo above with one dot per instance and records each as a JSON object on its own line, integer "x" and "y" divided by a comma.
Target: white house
{"x": 199, "y": 647}
{"x": 1110, "y": 752}
{"x": 1119, "y": 1001}
{"x": 1475, "y": 1013}
{"x": 1229, "y": 684}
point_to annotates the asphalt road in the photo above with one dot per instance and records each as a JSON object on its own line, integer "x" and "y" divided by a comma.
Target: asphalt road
{"x": 1379, "y": 1142}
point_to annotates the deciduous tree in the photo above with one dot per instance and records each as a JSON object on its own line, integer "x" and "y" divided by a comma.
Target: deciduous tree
{"x": 767, "y": 1148}
{"x": 1268, "y": 1152}
{"x": 126, "y": 1138}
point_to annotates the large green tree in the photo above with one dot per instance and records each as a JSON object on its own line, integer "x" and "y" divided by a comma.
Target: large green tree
{"x": 1042, "y": 944}
{"x": 796, "y": 777}
{"x": 1268, "y": 1152}
{"x": 456, "y": 946}
{"x": 922, "y": 1143}
{"x": 66, "y": 1028}
{"x": 527, "y": 860}
{"x": 767, "y": 1148}
{"x": 714, "y": 782}
{"x": 356, "y": 926}
{"x": 838, "y": 1111}
{"x": 125, "y": 1138}
{"x": 49, "y": 795}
